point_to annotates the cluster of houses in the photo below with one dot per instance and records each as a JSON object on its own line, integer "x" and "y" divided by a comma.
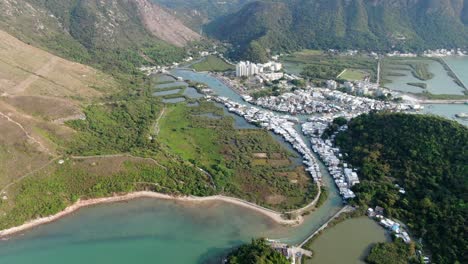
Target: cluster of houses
{"x": 343, "y": 176}
{"x": 388, "y": 223}
{"x": 445, "y": 52}
{"x": 430, "y": 53}
{"x": 293, "y": 254}
{"x": 323, "y": 100}
{"x": 279, "y": 124}
{"x": 364, "y": 88}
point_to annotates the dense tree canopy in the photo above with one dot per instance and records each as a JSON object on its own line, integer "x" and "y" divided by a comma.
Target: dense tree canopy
{"x": 285, "y": 25}
{"x": 425, "y": 155}
{"x": 257, "y": 252}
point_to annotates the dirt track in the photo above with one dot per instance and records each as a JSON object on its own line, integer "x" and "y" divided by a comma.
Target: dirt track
{"x": 41, "y": 72}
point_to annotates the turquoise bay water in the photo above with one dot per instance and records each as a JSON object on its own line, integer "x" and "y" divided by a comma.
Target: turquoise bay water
{"x": 448, "y": 111}
{"x": 140, "y": 231}
{"x": 159, "y": 231}
{"x": 156, "y": 231}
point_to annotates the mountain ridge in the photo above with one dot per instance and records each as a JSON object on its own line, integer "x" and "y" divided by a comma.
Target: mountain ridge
{"x": 106, "y": 33}
{"x": 408, "y": 25}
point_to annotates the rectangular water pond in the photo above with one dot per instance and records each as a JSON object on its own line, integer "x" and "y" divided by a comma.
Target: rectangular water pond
{"x": 192, "y": 93}
{"x": 401, "y": 78}
{"x": 169, "y": 85}
{"x": 169, "y": 92}
{"x": 174, "y": 100}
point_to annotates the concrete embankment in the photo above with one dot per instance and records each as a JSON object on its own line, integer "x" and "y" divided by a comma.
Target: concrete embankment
{"x": 454, "y": 74}
{"x": 343, "y": 210}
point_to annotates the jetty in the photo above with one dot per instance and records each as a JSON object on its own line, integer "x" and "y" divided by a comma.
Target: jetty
{"x": 345, "y": 209}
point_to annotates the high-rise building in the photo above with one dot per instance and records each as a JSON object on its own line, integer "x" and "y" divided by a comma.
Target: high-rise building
{"x": 247, "y": 69}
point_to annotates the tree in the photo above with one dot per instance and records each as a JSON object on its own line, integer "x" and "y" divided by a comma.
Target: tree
{"x": 257, "y": 252}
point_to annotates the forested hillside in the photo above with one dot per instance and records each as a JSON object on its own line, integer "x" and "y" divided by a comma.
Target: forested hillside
{"x": 110, "y": 34}
{"x": 199, "y": 12}
{"x": 428, "y": 157}
{"x": 282, "y": 25}
{"x": 258, "y": 251}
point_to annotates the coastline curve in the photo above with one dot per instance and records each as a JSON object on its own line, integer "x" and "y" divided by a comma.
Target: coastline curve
{"x": 273, "y": 215}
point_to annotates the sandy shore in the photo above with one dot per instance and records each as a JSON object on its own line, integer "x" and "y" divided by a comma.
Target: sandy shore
{"x": 275, "y": 216}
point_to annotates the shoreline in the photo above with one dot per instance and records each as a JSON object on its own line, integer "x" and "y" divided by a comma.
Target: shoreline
{"x": 273, "y": 215}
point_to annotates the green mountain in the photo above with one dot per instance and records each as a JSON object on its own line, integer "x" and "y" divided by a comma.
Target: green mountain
{"x": 280, "y": 25}
{"x": 199, "y": 12}
{"x": 112, "y": 34}
{"x": 426, "y": 155}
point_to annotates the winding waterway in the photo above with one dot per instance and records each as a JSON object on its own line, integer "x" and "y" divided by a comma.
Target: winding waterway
{"x": 162, "y": 231}
{"x": 146, "y": 230}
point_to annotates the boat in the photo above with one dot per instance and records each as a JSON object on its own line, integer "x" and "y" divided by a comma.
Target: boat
{"x": 461, "y": 115}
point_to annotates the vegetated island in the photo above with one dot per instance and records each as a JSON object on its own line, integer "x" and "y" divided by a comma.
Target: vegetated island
{"x": 258, "y": 251}
{"x": 427, "y": 156}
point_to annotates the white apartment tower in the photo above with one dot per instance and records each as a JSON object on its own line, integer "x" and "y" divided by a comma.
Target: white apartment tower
{"x": 246, "y": 69}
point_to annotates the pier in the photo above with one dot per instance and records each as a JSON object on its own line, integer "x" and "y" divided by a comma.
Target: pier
{"x": 345, "y": 209}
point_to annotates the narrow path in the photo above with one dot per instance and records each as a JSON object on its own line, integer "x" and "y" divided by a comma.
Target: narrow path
{"x": 3, "y": 190}
{"x": 341, "y": 73}
{"x": 41, "y": 146}
{"x": 378, "y": 72}
{"x": 43, "y": 70}
{"x": 156, "y": 125}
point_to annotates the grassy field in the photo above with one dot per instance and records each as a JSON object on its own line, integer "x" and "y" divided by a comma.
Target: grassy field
{"x": 37, "y": 88}
{"x": 26, "y": 70}
{"x": 213, "y": 64}
{"x": 318, "y": 66}
{"x": 245, "y": 163}
{"x": 353, "y": 75}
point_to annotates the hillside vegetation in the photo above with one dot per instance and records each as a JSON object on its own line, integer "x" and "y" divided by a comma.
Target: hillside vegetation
{"x": 257, "y": 252}
{"x": 38, "y": 91}
{"x": 114, "y": 35}
{"x": 199, "y": 12}
{"x": 282, "y": 25}
{"x": 213, "y": 64}
{"x": 425, "y": 155}
{"x": 246, "y": 163}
